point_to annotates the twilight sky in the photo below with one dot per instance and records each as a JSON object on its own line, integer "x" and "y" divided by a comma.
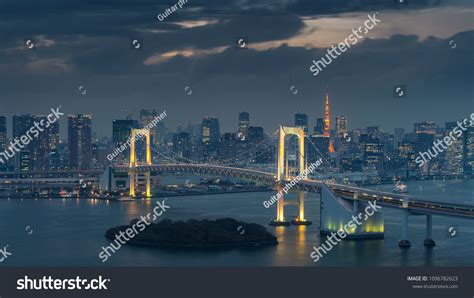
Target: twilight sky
{"x": 79, "y": 43}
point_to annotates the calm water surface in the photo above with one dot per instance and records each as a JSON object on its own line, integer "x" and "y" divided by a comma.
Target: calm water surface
{"x": 70, "y": 232}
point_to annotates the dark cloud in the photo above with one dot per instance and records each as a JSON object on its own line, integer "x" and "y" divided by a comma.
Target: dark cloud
{"x": 89, "y": 45}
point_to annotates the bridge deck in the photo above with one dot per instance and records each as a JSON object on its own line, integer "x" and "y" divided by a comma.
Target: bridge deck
{"x": 347, "y": 192}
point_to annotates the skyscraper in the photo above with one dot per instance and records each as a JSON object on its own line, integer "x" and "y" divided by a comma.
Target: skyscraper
{"x": 373, "y": 154}
{"x": 80, "y": 141}
{"x": 182, "y": 145}
{"x": 454, "y": 154}
{"x": 228, "y": 148}
{"x": 450, "y": 125}
{"x": 26, "y": 158}
{"x": 210, "y": 130}
{"x": 3, "y": 137}
{"x": 468, "y": 150}
{"x": 341, "y": 126}
{"x": 454, "y": 157}
{"x": 146, "y": 116}
{"x": 319, "y": 128}
{"x": 244, "y": 122}
{"x": 425, "y": 136}
{"x": 424, "y": 127}
{"x": 255, "y": 134}
{"x": 45, "y": 149}
{"x": 317, "y": 146}
{"x": 398, "y": 135}
{"x": 3, "y": 132}
{"x": 121, "y": 130}
{"x": 374, "y": 132}
{"x": 341, "y": 143}
{"x": 210, "y": 136}
{"x": 302, "y": 121}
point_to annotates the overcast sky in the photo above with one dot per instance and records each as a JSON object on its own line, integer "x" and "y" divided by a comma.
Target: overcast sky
{"x": 426, "y": 45}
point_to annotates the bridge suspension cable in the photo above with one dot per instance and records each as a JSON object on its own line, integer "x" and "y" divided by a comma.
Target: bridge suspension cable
{"x": 326, "y": 161}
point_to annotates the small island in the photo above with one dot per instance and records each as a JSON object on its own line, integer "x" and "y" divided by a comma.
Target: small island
{"x": 226, "y": 232}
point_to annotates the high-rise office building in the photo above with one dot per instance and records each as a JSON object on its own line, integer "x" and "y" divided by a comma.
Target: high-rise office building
{"x": 146, "y": 117}
{"x": 373, "y": 153}
{"x": 45, "y": 149}
{"x": 468, "y": 150}
{"x": 255, "y": 134}
{"x": 3, "y": 140}
{"x": 317, "y": 146}
{"x": 182, "y": 145}
{"x": 398, "y": 136}
{"x": 425, "y": 135}
{"x": 301, "y": 120}
{"x": 163, "y": 134}
{"x": 341, "y": 126}
{"x": 121, "y": 130}
{"x": 210, "y": 130}
{"x": 407, "y": 152}
{"x": 388, "y": 140}
{"x": 210, "y": 137}
{"x": 450, "y": 125}
{"x": 228, "y": 148}
{"x": 3, "y": 132}
{"x": 454, "y": 157}
{"x": 20, "y": 125}
{"x": 424, "y": 127}
{"x": 374, "y": 132}
{"x": 80, "y": 141}
{"x": 194, "y": 130}
{"x": 24, "y": 161}
{"x": 41, "y": 150}
{"x": 319, "y": 128}
{"x": 244, "y": 122}
{"x": 424, "y": 141}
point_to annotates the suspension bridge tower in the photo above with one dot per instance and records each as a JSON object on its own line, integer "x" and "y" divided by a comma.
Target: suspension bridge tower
{"x": 285, "y": 180}
{"x": 132, "y": 175}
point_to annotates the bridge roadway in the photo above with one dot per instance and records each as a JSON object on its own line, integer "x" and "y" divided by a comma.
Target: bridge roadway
{"x": 399, "y": 201}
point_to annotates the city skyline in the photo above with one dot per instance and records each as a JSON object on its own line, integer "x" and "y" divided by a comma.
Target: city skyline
{"x": 352, "y": 150}
{"x": 312, "y": 122}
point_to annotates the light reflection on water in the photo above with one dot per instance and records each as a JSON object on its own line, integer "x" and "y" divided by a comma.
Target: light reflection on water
{"x": 70, "y": 232}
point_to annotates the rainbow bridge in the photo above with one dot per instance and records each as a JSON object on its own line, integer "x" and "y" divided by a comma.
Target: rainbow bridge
{"x": 343, "y": 200}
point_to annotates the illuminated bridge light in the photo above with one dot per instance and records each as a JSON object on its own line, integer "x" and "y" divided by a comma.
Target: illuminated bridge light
{"x": 370, "y": 228}
{"x": 351, "y": 230}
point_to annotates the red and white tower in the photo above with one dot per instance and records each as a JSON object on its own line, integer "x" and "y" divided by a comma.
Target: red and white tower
{"x": 327, "y": 128}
